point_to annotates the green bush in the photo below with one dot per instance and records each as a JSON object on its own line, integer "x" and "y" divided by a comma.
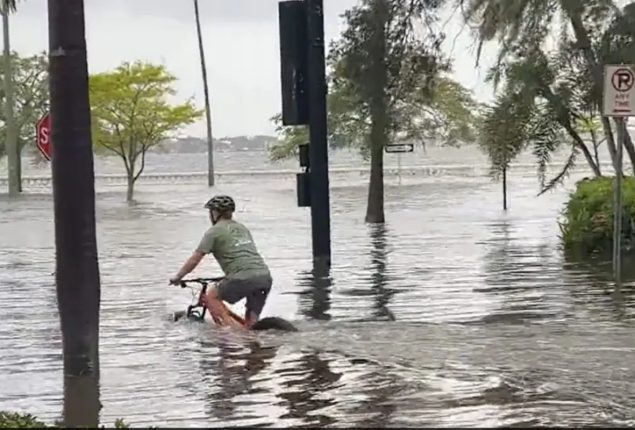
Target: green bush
{"x": 588, "y": 216}
{"x": 9, "y": 420}
{"x": 12, "y": 420}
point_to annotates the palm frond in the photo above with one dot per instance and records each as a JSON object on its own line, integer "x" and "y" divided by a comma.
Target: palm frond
{"x": 8, "y": 5}
{"x": 503, "y": 131}
{"x": 544, "y": 134}
{"x": 563, "y": 174}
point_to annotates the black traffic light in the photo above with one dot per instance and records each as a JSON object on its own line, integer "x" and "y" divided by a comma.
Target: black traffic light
{"x": 293, "y": 62}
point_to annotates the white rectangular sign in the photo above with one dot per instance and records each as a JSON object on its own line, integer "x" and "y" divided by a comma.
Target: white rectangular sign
{"x": 619, "y": 90}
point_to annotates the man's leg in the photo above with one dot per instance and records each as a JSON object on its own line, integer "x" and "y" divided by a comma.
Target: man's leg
{"x": 256, "y": 298}
{"x": 216, "y": 307}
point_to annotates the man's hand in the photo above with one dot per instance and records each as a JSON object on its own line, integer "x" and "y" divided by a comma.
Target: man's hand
{"x": 175, "y": 280}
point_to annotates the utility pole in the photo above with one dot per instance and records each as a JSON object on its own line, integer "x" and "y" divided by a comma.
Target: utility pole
{"x": 208, "y": 114}
{"x": 318, "y": 148}
{"x": 77, "y": 268}
{"x": 11, "y": 143}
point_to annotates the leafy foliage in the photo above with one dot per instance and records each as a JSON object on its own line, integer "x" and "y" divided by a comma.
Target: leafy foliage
{"x": 421, "y": 104}
{"x": 19, "y": 421}
{"x": 131, "y": 113}
{"x": 8, "y": 5}
{"x": 557, "y": 109}
{"x": 589, "y": 34}
{"x": 587, "y": 227}
{"x": 16, "y": 420}
{"x": 31, "y": 97}
{"x": 381, "y": 64}
{"x": 503, "y": 133}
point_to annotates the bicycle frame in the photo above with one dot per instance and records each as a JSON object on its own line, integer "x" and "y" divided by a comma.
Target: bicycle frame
{"x": 193, "y": 311}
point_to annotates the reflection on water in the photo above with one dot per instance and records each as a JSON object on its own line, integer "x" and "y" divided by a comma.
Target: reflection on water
{"x": 305, "y": 380}
{"x": 314, "y": 297}
{"x": 231, "y": 373}
{"x": 452, "y": 314}
{"x": 378, "y": 272}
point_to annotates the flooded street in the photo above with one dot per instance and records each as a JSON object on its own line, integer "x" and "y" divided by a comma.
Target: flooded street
{"x": 452, "y": 314}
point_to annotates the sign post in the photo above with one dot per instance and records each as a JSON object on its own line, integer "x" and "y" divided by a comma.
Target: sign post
{"x": 398, "y": 148}
{"x": 43, "y": 136}
{"x": 619, "y": 103}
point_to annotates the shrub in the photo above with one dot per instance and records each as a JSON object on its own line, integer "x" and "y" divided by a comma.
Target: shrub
{"x": 12, "y": 420}
{"x": 9, "y": 420}
{"x": 588, "y": 216}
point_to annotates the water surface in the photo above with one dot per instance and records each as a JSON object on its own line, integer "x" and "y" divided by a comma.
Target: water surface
{"x": 452, "y": 314}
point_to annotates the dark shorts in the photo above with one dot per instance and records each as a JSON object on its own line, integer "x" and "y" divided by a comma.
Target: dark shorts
{"x": 255, "y": 290}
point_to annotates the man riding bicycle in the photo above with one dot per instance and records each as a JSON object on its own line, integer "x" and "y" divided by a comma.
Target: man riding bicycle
{"x": 246, "y": 274}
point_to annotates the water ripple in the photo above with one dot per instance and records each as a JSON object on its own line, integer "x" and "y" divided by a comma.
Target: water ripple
{"x": 453, "y": 314}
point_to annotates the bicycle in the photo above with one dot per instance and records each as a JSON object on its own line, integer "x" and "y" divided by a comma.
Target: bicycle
{"x": 197, "y": 311}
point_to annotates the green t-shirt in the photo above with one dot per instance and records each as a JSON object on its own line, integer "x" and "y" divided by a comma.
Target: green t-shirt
{"x": 233, "y": 247}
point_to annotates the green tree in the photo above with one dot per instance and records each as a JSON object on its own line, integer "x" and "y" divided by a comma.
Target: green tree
{"x": 340, "y": 133}
{"x": 540, "y": 106}
{"x": 131, "y": 113}
{"x": 378, "y": 62}
{"x": 386, "y": 85}
{"x": 589, "y": 34}
{"x": 31, "y": 98}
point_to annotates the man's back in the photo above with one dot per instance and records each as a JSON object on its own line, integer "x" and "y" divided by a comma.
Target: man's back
{"x": 233, "y": 247}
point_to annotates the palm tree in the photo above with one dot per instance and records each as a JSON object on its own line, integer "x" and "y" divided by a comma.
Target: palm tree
{"x": 208, "y": 115}
{"x": 520, "y": 24}
{"x": 11, "y": 143}
{"x": 537, "y": 108}
{"x": 77, "y": 268}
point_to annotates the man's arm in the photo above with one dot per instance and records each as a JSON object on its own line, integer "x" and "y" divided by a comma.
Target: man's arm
{"x": 205, "y": 246}
{"x": 188, "y": 266}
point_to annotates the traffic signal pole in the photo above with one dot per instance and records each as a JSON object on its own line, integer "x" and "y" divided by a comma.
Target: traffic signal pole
{"x": 318, "y": 148}
{"x": 304, "y": 91}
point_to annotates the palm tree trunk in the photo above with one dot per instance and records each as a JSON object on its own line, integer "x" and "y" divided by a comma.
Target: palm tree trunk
{"x": 596, "y": 155}
{"x": 630, "y": 148}
{"x": 77, "y": 268}
{"x": 11, "y": 144}
{"x": 208, "y": 114}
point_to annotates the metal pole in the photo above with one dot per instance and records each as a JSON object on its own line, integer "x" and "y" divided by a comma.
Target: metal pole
{"x": 617, "y": 207}
{"x": 504, "y": 188}
{"x": 318, "y": 148}
{"x": 208, "y": 115}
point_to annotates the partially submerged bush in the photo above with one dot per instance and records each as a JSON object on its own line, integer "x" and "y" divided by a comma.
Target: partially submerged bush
{"x": 12, "y": 420}
{"x": 588, "y": 224}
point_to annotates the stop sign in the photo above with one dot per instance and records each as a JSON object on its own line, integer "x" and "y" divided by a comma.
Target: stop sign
{"x": 43, "y": 136}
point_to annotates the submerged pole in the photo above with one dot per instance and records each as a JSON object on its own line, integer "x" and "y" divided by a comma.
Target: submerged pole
{"x": 504, "y": 188}
{"x": 318, "y": 148}
{"x": 618, "y": 205}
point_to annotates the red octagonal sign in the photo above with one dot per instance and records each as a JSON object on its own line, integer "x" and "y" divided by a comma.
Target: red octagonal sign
{"x": 43, "y": 136}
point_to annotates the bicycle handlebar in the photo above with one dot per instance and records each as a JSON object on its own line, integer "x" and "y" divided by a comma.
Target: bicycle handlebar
{"x": 202, "y": 281}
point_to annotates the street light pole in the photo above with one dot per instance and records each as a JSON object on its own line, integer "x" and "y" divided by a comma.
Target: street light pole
{"x": 208, "y": 114}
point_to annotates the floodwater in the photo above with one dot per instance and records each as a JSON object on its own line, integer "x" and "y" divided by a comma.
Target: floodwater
{"x": 452, "y": 314}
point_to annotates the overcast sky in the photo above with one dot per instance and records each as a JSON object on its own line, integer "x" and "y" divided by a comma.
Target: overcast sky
{"x": 241, "y": 47}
